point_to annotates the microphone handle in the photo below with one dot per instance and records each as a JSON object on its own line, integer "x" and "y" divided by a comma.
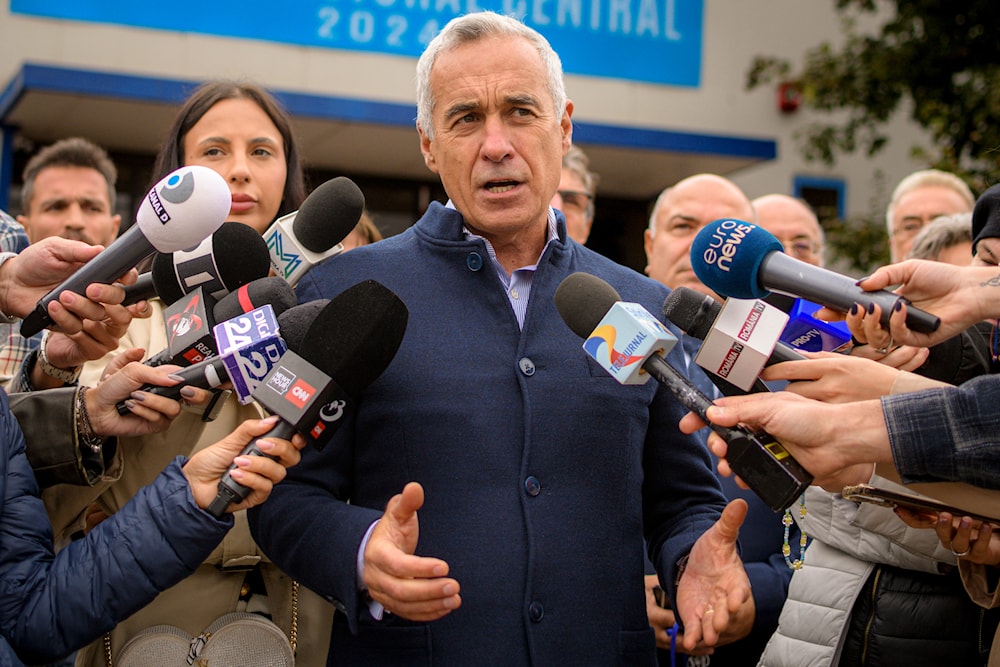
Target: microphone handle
{"x": 213, "y": 374}
{"x": 759, "y": 459}
{"x": 231, "y": 491}
{"x": 793, "y": 277}
{"x": 141, "y": 290}
{"x": 104, "y": 268}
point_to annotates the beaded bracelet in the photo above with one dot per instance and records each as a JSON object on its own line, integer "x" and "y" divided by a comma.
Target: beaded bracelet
{"x": 84, "y": 429}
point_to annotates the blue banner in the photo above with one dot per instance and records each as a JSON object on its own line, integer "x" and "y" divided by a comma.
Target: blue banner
{"x": 655, "y": 41}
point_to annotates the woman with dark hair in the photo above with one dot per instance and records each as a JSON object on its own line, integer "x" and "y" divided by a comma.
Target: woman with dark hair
{"x": 239, "y": 130}
{"x": 203, "y": 101}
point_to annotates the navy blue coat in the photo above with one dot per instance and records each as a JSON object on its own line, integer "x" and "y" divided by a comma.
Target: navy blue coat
{"x": 52, "y": 605}
{"x": 540, "y": 471}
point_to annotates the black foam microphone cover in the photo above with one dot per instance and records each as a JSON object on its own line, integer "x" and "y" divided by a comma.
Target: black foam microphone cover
{"x": 583, "y": 300}
{"x": 328, "y": 214}
{"x": 356, "y": 335}
{"x": 239, "y": 254}
{"x": 692, "y": 311}
{"x": 270, "y": 290}
{"x": 294, "y": 323}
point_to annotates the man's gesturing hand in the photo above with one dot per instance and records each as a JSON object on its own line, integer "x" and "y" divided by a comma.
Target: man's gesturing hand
{"x": 414, "y": 587}
{"x": 714, "y": 586}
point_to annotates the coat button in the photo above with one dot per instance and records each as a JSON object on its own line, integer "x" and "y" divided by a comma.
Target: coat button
{"x": 532, "y": 486}
{"x": 474, "y": 261}
{"x": 527, "y": 366}
{"x": 536, "y": 611}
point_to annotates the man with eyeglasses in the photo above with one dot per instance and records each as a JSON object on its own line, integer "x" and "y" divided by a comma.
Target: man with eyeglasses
{"x": 918, "y": 199}
{"x": 575, "y": 196}
{"x": 794, "y": 224}
{"x": 678, "y": 215}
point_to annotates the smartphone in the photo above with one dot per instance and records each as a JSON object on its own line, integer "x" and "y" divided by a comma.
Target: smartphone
{"x": 867, "y": 493}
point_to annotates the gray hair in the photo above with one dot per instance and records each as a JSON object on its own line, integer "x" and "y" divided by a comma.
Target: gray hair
{"x": 940, "y": 234}
{"x": 923, "y": 179}
{"x": 578, "y": 163}
{"x": 474, "y": 27}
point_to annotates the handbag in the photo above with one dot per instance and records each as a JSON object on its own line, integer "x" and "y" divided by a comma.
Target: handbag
{"x": 235, "y": 639}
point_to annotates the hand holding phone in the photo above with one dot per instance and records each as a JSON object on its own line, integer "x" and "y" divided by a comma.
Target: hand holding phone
{"x": 913, "y": 502}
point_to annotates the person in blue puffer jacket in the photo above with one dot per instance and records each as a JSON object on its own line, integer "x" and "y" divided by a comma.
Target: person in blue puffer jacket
{"x": 51, "y": 604}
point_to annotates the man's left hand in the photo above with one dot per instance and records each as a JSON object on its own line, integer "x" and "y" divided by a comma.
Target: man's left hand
{"x": 714, "y": 591}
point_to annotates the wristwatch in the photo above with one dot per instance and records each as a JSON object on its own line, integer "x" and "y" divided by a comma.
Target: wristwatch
{"x": 68, "y": 376}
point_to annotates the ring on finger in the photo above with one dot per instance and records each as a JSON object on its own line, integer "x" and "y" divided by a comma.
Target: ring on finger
{"x": 961, "y": 554}
{"x": 886, "y": 349}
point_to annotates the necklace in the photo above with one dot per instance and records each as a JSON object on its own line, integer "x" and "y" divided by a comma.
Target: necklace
{"x": 786, "y": 549}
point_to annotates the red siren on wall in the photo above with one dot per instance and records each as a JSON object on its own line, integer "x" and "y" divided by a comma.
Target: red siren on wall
{"x": 789, "y": 97}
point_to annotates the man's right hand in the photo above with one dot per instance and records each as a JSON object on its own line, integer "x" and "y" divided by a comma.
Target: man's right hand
{"x": 42, "y": 266}
{"x": 413, "y": 587}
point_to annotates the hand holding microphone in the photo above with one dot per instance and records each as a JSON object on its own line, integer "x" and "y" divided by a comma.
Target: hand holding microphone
{"x": 961, "y": 295}
{"x": 178, "y": 212}
{"x": 348, "y": 345}
{"x": 739, "y": 259}
{"x": 835, "y": 442}
{"x": 616, "y": 334}
{"x": 27, "y": 277}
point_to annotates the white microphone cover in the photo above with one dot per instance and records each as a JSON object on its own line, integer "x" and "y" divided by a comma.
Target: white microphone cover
{"x": 193, "y": 193}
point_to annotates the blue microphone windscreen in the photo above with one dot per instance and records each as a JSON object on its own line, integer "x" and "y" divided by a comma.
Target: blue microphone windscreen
{"x": 726, "y": 256}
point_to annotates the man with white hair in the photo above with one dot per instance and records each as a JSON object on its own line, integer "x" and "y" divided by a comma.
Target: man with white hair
{"x": 918, "y": 199}
{"x": 534, "y": 475}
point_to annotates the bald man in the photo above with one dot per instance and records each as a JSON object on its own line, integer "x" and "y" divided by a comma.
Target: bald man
{"x": 794, "y": 224}
{"x": 678, "y": 215}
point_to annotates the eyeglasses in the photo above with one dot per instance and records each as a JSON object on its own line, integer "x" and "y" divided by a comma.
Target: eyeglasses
{"x": 908, "y": 228}
{"x": 801, "y": 249}
{"x": 576, "y": 200}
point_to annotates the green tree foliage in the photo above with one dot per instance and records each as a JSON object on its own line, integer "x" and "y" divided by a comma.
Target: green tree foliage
{"x": 939, "y": 59}
{"x": 942, "y": 57}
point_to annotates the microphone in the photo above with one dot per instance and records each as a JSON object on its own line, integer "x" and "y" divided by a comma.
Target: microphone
{"x": 248, "y": 345}
{"x": 187, "y": 205}
{"x": 141, "y": 290}
{"x": 191, "y": 281}
{"x": 270, "y": 290}
{"x": 587, "y": 304}
{"x": 299, "y": 240}
{"x": 694, "y": 313}
{"x": 347, "y": 346}
{"x": 231, "y": 257}
{"x": 739, "y": 259}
